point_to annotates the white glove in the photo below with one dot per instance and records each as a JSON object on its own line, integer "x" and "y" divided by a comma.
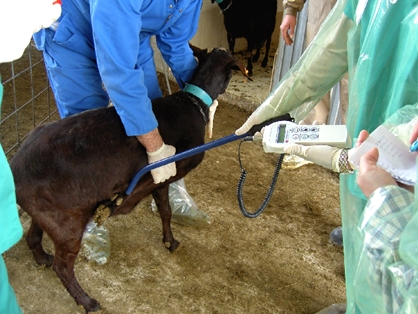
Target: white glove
{"x": 329, "y": 157}
{"x": 19, "y": 20}
{"x": 162, "y": 173}
{"x": 251, "y": 121}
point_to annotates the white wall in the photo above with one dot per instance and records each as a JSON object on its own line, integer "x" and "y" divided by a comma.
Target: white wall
{"x": 211, "y": 32}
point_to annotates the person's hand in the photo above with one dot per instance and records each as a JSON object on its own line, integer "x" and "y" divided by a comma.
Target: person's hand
{"x": 370, "y": 176}
{"x": 251, "y": 121}
{"x": 157, "y": 150}
{"x": 322, "y": 155}
{"x": 414, "y": 134}
{"x": 363, "y": 135}
{"x": 370, "y": 172}
{"x": 162, "y": 173}
{"x": 329, "y": 157}
{"x": 288, "y": 28}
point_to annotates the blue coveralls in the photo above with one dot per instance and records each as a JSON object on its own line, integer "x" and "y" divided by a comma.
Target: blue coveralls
{"x": 105, "y": 41}
{"x": 10, "y": 230}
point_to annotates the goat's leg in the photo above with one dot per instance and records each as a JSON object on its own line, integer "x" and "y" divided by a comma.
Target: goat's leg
{"x": 249, "y": 54}
{"x": 257, "y": 55}
{"x": 34, "y": 241}
{"x": 231, "y": 42}
{"x": 160, "y": 196}
{"x": 266, "y": 56}
{"x": 249, "y": 64}
{"x": 66, "y": 252}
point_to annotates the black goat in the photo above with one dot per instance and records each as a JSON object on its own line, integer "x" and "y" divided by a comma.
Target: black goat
{"x": 253, "y": 20}
{"x": 66, "y": 169}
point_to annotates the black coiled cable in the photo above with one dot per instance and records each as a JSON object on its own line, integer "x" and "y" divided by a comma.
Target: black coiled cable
{"x": 270, "y": 190}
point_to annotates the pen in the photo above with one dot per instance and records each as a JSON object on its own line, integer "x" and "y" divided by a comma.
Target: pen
{"x": 414, "y": 146}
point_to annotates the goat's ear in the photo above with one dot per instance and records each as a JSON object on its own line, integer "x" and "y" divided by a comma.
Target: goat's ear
{"x": 196, "y": 50}
{"x": 235, "y": 65}
{"x": 200, "y": 54}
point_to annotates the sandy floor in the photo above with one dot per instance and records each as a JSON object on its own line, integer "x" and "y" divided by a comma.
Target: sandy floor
{"x": 279, "y": 262}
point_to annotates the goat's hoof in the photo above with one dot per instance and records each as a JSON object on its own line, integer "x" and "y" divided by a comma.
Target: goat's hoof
{"x": 172, "y": 246}
{"x": 93, "y": 306}
{"x": 45, "y": 259}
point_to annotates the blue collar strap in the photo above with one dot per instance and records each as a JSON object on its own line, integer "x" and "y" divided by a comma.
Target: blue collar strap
{"x": 199, "y": 93}
{"x": 219, "y": 1}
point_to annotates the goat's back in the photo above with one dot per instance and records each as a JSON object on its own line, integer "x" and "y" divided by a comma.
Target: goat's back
{"x": 84, "y": 159}
{"x": 76, "y": 161}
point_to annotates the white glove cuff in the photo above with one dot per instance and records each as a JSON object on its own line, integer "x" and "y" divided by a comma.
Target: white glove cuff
{"x": 157, "y": 152}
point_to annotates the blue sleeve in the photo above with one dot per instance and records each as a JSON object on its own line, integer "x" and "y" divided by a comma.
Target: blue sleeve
{"x": 117, "y": 44}
{"x": 174, "y": 47}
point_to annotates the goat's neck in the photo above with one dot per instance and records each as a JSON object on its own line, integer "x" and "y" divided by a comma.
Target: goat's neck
{"x": 199, "y": 93}
{"x": 202, "y": 108}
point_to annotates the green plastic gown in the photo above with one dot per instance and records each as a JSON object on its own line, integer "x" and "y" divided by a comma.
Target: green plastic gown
{"x": 383, "y": 71}
{"x": 376, "y": 42}
{"x": 10, "y": 230}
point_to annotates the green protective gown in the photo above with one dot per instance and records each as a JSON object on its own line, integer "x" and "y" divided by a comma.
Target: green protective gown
{"x": 10, "y": 230}
{"x": 376, "y": 42}
{"x": 383, "y": 74}
{"x": 384, "y": 266}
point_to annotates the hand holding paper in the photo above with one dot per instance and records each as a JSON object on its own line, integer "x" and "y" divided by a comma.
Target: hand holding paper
{"x": 394, "y": 155}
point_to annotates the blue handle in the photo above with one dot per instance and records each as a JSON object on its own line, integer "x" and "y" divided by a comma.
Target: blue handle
{"x": 182, "y": 155}
{"x": 202, "y": 148}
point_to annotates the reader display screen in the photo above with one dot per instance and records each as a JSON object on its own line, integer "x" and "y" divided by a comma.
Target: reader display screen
{"x": 281, "y": 133}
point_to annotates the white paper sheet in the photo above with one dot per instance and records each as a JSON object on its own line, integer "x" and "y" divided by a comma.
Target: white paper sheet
{"x": 394, "y": 155}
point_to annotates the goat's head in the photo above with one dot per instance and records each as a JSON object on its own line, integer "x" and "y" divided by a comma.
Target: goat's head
{"x": 215, "y": 70}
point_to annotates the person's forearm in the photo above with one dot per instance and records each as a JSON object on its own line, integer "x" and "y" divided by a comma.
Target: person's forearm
{"x": 174, "y": 44}
{"x": 152, "y": 141}
{"x": 320, "y": 67}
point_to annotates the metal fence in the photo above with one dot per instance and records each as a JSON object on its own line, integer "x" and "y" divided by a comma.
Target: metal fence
{"x": 27, "y": 99}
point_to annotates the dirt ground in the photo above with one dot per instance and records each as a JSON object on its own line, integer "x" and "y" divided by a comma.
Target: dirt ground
{"x": 279, "y": 262}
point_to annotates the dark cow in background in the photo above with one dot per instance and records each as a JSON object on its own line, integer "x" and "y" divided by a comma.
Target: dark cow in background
{"x": 253, "y": 20}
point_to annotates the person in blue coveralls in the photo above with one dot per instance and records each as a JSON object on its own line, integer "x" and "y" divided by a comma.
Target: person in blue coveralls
{"x": 100, "y": 51}
{"x": 32, "y": 15}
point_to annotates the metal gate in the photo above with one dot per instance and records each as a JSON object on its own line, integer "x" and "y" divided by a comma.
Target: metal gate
{"x": 27, "y": 99}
